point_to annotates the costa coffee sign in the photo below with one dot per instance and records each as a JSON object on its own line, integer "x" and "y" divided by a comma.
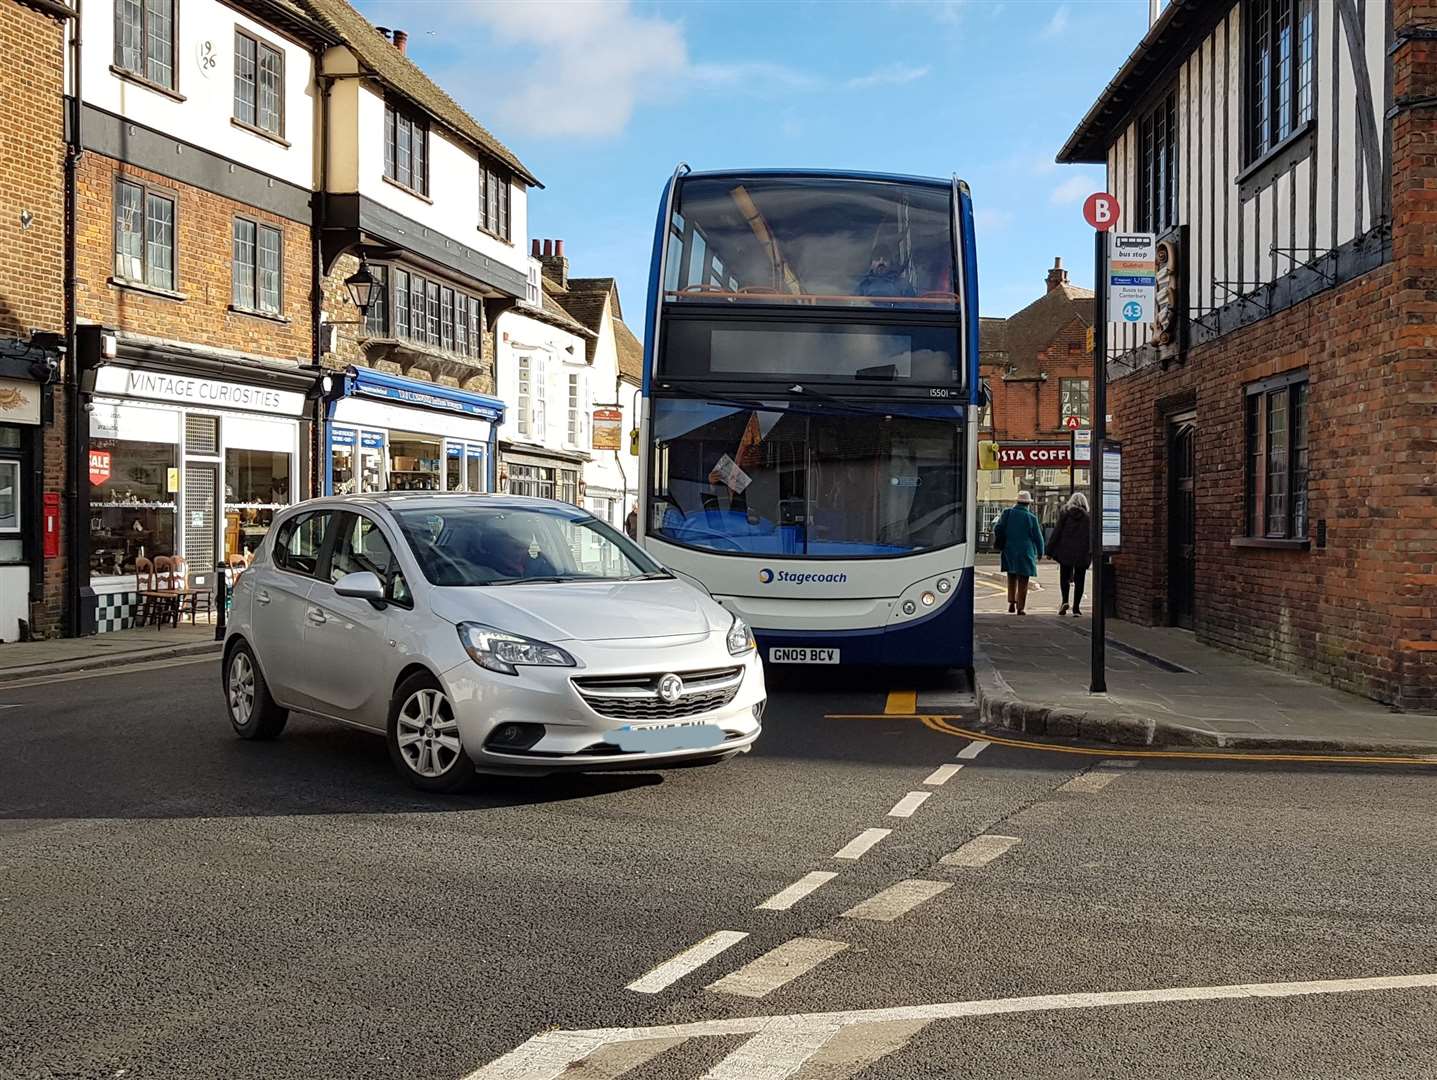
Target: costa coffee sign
{"x": 1050, "y": 456}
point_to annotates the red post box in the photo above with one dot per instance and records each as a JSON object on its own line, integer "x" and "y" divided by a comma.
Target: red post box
{"x": 52, "y": 524}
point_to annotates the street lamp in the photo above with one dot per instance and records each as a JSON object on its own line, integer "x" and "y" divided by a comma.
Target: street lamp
{"x": 361, "y": 286}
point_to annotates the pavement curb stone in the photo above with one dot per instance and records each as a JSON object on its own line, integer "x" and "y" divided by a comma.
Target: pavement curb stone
{"x": 99, "y": 663}
{"x": 999, "y": 706}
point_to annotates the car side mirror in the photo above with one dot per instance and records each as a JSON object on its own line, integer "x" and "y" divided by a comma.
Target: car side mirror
{"x": 362, "y": 585}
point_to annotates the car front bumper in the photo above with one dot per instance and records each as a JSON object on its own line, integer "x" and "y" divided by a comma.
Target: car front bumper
{"x": 577, "y": 738}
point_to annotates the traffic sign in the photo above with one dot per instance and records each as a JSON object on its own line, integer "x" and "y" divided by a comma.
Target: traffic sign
{"x": 1101, "y": 211}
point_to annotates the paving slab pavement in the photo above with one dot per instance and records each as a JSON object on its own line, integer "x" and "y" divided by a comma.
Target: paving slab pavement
{"x": 53, "y": 656}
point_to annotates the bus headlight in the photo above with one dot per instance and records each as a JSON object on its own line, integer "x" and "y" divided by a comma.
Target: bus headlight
{"x": 928, "y": 599}
{"x": 740, "y": 638}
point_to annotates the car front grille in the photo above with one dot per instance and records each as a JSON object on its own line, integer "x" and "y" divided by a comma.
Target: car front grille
{"x": 636, "y": 697}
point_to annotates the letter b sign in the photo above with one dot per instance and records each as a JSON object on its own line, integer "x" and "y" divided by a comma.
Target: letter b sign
{"x": 1101, "y": 211}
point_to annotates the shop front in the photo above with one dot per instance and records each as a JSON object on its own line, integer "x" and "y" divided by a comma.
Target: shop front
{"x": 27, "y": 522}
{"x": 542, "y": 473}
{"x": 389, "y": 433}
{"x": 1040, "y": 468}
{"x": 190, "y": 460}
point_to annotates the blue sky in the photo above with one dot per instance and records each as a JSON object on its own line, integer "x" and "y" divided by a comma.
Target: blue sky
{"x": 601, "y": 99}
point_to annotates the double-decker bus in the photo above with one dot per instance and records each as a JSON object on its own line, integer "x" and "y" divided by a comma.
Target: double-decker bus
{"x": 810, "y": 405}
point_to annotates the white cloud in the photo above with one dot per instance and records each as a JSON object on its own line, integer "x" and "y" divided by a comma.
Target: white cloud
{"x": 752, "y": 75}
{"x": 595, "y": 59}
{"x": 1075, "y": 189}
{"x": 892, "y": 75}
{"x": 1058, "y": 24}
{"x": 990, "y": 219}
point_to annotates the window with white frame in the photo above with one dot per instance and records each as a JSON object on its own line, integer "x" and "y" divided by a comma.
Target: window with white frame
{"x": 533, "y": 286}
{"x": 575, "y": 428}
{"x": 526, "y": 393}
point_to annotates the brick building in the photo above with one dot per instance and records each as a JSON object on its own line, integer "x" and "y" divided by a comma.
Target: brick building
{"x": 1278, "y": 430}
{"x": 1037, "y": 366}
{"x": 193, "y": 272}
{"x": 32, "y": 316}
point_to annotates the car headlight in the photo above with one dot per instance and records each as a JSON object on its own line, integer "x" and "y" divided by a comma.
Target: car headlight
{"x": 740, "y": 638}
{"x": 501, "y": 651}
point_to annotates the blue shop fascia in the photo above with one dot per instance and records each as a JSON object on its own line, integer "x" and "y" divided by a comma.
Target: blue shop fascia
{"x": 390, "y": 433}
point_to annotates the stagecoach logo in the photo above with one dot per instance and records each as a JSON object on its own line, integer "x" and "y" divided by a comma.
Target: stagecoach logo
{"x": 794, "y": 577}
{"x": 671, "y": 688}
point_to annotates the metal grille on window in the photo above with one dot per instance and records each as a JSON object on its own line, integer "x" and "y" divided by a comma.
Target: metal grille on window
{"x": 159, "y": 242}
{"x": 201, "y": 479}
{"x": 270, "y": 82}
{"x": 129, "y": 232}
{"x": 242, "y": 292}
{"x": 245, "y": 90}
{"x": 159, "y": 19}
{"x": 376, "y": 319}
{"x": 202, "y": 434}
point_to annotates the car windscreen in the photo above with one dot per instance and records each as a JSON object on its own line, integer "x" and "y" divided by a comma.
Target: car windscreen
{"x": 508, "y": 545}
{"x": 780, "y": 481}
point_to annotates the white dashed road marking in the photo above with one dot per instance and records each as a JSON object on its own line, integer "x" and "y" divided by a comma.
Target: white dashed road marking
{"x": 973, "y": 749}
{"x": 616, "y": 1059}
{"x": 548, "y": 1056}
{"x": 980, "y": 851}
{"x": 779, "y": 966}
{"x": 942, "y": 775}
{"x": 782, "y": 901}
{"x": 896, "y": 900}
{"x": 856, "y": 847}
{"x": 856, "y": 1047}
{"x": 691, "y": 959}
{"x": 771, "y": 1055}
{"x": 1089, "y": 782}
{"x": 905, "y": 806}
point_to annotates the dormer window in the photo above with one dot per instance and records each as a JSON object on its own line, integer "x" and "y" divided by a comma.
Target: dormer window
{"x": 406, "y": 150}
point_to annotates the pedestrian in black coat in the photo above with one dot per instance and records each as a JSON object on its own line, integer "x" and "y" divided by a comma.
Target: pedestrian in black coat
{"x": 1071, "y": 547}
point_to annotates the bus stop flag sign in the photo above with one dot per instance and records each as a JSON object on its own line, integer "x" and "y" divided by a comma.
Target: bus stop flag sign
{"x": 1132, "y": 277}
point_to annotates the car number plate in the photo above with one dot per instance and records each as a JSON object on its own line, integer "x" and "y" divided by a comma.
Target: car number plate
{"x": 675, "y": 735}
{"x": 803, "y": 656}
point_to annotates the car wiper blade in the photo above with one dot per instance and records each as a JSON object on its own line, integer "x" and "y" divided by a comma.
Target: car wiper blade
{"x": 548, "y": 579}
{"x": 652, "y": 575}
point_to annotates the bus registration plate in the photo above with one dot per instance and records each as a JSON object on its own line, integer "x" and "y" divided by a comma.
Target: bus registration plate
{"x": 803, "y": 656}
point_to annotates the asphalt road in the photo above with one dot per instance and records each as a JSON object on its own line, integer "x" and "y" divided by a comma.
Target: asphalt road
{"x": 178, "y": 904}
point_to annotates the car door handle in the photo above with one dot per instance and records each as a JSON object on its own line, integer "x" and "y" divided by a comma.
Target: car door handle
{"x": 315, "y": 616}
{"x": 262, "y": 597}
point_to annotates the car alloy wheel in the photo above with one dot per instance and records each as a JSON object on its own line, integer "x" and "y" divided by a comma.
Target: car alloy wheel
{"x": 428, "y": 734}
{"x": 241, "y": 688}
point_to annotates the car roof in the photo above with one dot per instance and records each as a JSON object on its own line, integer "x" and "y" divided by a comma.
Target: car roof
{"x": 437, "y": 501}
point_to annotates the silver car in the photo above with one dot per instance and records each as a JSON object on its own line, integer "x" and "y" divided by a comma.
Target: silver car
{"x": 486, "y": 633}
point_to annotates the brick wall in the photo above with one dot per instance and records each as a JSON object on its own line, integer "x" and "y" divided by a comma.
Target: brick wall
{"x": 32, "y": 255}
{"x": 1360, "y": 612}
{"x": 1026, "y": 408}
{"x": 205, "y": 229}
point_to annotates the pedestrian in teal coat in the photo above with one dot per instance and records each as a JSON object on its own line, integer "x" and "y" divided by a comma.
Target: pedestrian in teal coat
{"x": 1019, "y": 536}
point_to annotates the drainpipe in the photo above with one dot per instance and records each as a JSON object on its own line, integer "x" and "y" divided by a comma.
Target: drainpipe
{"x": 76, "y": 419}
{"x": 320, "y": 456}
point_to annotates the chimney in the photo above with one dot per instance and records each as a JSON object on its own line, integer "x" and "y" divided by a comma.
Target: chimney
{"x": 401, "y": 40}
{"x": 1057, "y": 277}
{"x": 534, "y": 247}
{"x": 384, "y": 32}
{"x": 556, "y": 266}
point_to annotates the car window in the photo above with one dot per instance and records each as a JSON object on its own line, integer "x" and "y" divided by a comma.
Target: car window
{"x": 296, "y": 548}
{"x": 360, "y": 545}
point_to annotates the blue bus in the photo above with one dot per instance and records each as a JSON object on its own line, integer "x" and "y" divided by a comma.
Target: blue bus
{"x": 810, "y": 409}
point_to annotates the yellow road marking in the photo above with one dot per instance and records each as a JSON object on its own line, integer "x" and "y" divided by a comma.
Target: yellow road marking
{"x": 901, "y": 703}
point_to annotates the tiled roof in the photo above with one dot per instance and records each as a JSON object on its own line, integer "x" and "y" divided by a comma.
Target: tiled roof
{"x": 631, "y": 353}
{"x": 1033, "y": 329}
{"x": 555, "y": 314}
{"x": 992, "y": 340}
{"x": 380, "y": 58}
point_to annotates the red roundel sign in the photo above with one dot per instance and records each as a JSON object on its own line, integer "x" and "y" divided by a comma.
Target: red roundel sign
{"x": 1101, "y": 211}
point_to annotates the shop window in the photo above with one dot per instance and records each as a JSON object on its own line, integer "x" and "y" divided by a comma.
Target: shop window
{"x": 341, "y": 461}
{"x": 475, "y": 473}
{"x": 533, "y": 480}
{"x": 257, "y": 483}
{"x": 259, "y": 84}
{"x": 1276, "y": 458}
{"x": 145, "y": 40}
{"x": 454, "y": 468}
{"x": 144, "y": 236}
{"x": 1075, "y": 399}
{"x": 569, "y": 486}
{"x": 132, "y": 503}
{"x": 9, "y": 496}
{"x": 414, "y": 462}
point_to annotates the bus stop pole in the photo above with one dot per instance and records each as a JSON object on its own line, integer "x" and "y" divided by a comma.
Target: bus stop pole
{"x": 1099, "y": 684}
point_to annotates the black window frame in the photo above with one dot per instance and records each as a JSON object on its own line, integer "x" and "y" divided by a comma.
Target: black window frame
{"x": 147, "y": 192}
{"x": 254, "y": 125}
{"x": 1290, "y": 395}
{"x": 494, "y": 202}
{"x": 1157, "y": 166}
{"x": 142, "y": 75}
{"x": 236, "y": 270}
{"x": 398, "y": 119}
{"x": 1278, "y": 101}
{"x": 450, "y": 303}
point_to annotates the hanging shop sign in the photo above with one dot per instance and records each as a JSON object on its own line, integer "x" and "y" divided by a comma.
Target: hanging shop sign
{"x": 608, "y": 428}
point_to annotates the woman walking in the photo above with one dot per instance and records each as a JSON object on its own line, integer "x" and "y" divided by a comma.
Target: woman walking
{"x": 1020, "y": 538}
{"x": 1071, "y": 548}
